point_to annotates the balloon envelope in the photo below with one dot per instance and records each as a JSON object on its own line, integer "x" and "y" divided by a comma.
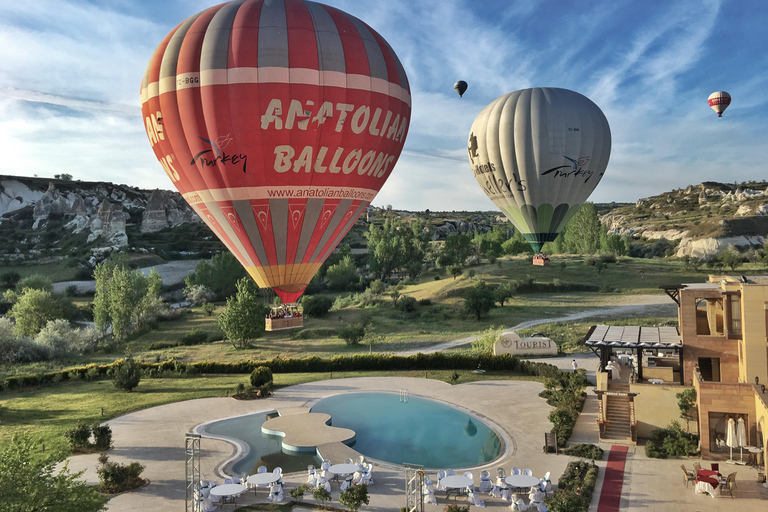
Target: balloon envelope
{"x": 278, "y": 121}
{"x": 719, "y": 101}
{"x": 461, "y": 87}
{"x": 538, "y": 154}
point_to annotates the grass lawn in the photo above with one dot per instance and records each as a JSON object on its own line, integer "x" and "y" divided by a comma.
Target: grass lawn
{"x": 49, "y": 411}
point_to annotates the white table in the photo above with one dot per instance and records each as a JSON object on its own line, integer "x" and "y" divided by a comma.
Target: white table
{"x": 521, "y": 481}
{"x": 455, "y": 483}
{"x": 343, "y": 469}
{"x": 228, "y": 491}
{"x": 263, "y": 479}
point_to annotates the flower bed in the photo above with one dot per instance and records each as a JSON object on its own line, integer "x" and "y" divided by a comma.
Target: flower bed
{"x": 574, "y": 489}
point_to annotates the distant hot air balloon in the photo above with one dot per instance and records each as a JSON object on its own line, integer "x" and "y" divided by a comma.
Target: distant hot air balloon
{"x": 719, "y": 101}
{"x": 278, "y": 121}
{"x": 538, "y": 154}
{"x": 461, "y": 87}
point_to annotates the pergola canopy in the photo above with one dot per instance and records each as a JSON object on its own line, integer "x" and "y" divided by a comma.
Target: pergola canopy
{"x": 633, "y": 337}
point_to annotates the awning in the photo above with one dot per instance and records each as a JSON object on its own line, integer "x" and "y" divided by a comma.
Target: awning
{"x": 633, "y": 337}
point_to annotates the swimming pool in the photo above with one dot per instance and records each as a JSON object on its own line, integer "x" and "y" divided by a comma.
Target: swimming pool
{"x": 263, "y": 449}
{"x": 412, "y": 430}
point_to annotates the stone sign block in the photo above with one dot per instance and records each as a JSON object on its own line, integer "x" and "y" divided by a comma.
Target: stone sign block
{"x": 510, "y": 343}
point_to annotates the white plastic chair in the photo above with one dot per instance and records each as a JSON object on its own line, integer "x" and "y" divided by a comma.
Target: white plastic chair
{"x": 357, "y": 478}
{"x": 522, "y": 505}
{"x": 227, "y": 481}
{"x": 275, "y": 493}
{"x": 450, "y": 472}
{"x": 501, "y": 473}
{"x": 311, "y": 475}
{"x": 503, "y": 490}
{"x": 469, "y": 475}
{"x": 474, "y": 499}
{"x": 527, "y": 472}
{"x": 541, "y": 507}
{"x": 485, "y": 482}
{"x": 349, "y": 461}
{"x": 325, "y": 465}
{"x": 515, "y": 470}
{"x": 368, "y": 477}
{"x": 360, "y": 460}
{"x": 440, "y": 476}
{"x": 262, "y": 469}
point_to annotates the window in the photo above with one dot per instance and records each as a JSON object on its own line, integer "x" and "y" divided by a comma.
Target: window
{"x": 734, "y": 322}
{"x": 717, "y": 432}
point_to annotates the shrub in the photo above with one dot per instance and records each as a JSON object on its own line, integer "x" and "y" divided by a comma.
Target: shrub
{"x": 297, "y": 493}
{"x": 671, "y": 442}
{"x": 79, "y": 437}
{"x": 321, "y": 495}
{"x": 195, "y": 337}
{"x": 261, "y": 376}
{"x": 354, "y": 497}
{"x": 316, "y": 306}
{"x": 127, "y": 374}
{"x": 455, "y": 507}
{"x": 114, "y": 477}
{"x": 407, "y": 304}
{"x": 574, "y": 488}
{"x": 587, "y": 451}
{"x": 102, "y": 437}
{"x": 352, "y": 334}
{"x": 208, "y": 308}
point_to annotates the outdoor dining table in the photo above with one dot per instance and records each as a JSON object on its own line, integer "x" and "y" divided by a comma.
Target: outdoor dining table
{"x": 343, "y": 469}
{"x": 262, "y": 479}
{"x": 455, "y": 484}
{"x": 228, "y": 491}
{"x": 521, "y": 481}
{"x": 707, "y": 481}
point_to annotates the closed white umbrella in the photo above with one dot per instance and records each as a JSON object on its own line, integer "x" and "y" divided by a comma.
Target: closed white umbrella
{"x": 741, "y": 437}
{"x": 730, "y": 437}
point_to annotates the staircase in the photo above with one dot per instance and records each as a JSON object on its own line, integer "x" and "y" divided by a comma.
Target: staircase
{"x": 618, "y": 416}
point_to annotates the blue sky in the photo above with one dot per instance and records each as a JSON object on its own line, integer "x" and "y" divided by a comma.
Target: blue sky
{"x": 70, "y": 73}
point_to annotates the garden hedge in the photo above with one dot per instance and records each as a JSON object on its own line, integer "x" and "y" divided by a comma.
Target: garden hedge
{"x": 362, "y": 362}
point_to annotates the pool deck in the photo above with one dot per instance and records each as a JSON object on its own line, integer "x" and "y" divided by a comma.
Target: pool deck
{"x": 155, "y": 438}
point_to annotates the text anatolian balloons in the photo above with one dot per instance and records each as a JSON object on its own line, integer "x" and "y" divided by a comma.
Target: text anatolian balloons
{"x": 538, "y": 154}
{"x": 278, "y": 121}
{"x": 719, "y": 101}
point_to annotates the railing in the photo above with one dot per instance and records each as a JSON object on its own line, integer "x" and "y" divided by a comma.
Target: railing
{"x": 404, "y": 395}
{"x": 632, "y": 420}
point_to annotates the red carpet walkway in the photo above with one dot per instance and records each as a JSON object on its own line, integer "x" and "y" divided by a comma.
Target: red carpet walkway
{"x": 610, "y": 496}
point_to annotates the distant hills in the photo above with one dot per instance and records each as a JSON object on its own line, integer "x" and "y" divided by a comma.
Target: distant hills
{"x": 54, "y": 219}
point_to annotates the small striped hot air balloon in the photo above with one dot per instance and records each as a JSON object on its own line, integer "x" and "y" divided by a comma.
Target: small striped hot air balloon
{"x": 719, "y": 101}
{"x": 538, "y": 154}
{"x": 278, "y": 121}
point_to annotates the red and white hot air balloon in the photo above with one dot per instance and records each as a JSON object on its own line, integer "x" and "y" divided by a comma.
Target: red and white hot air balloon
{"x": 278, "y": 121}
{"x": 719, "y": 101}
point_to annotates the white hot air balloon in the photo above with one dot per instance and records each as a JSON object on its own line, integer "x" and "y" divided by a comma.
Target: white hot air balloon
{"x": 719, "y": 101}
{"x": 538, "y": 154}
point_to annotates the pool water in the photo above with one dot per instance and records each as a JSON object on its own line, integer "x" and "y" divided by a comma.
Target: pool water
{"x": 416, "y": 431}
{"x": 265, "y": 450}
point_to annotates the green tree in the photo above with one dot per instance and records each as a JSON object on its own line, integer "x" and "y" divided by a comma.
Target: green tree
{"x": 33, "y": 310}
{"x": 516, "y": 245}
{"x": 503, "y": 292}
{"x": 35, "y": 282}
{"x": 583, "y": 232}
{"x": 30, "y": 482}
{"x": 220, "y": 275}
{"x": 455, "y": 271}
{"x": 478, "y": 300}
{"x": 353, "y": 333}
{"x": 243, "y": 319}
{"x": 10, "y": 278}
{"x": 316, "y": 306}
{"x": 396, "y": 246}
{"x": 354, "y": 497}
{"x": 457, "y": 249}
{"x": 730, "y": 258}
{"x": 127, "y": 374}
{"x": 343, "y": 275}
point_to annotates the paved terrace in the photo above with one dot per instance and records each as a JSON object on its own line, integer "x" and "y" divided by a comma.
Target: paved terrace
{"x": 155, "y": 437}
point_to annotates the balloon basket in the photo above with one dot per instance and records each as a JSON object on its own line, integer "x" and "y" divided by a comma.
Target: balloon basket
{"x": 286, "y": 316}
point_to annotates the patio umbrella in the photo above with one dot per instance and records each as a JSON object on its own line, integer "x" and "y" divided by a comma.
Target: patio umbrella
{"x": 741, "y": 437}
{"x": 730, "y": 437}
